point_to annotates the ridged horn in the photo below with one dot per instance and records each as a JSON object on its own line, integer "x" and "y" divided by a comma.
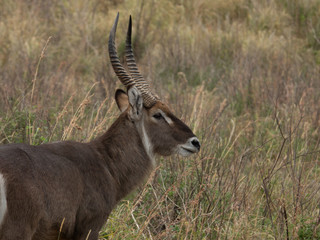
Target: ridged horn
{"x": 141, "y": 84}
{"x": 121, "y": 73}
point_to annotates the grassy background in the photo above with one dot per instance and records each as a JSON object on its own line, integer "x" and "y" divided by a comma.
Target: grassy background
{"x": 245, "y": 74}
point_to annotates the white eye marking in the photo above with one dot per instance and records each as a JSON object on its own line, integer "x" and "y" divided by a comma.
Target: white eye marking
{"x": 168, "y": 120}
{"x": 3, "y": 199}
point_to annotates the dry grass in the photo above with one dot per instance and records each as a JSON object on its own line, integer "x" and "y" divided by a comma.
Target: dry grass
{"x": 244, "y": 74}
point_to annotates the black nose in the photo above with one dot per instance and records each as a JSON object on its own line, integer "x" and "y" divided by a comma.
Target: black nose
{"x": 196, "y": 143}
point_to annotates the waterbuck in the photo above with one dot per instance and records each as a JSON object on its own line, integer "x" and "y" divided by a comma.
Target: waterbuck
{"x": 68, "y": 189}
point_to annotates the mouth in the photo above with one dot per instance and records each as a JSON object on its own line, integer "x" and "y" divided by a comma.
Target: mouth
{"x": 191, "y": 151}
{"x": 190, "y": 147}
{"x": 186, "y": 151}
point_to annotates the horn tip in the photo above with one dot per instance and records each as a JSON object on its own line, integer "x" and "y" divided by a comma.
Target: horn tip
{"x": 114, "y": 28}
{"x": 130, "y": 22}
{"x": 129, "y": 30}
{"x": 116, "y": 22}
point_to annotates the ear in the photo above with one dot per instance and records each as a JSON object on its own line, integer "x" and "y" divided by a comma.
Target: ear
{"x": 136, "y": 103}
{"x": 121, "y": 100}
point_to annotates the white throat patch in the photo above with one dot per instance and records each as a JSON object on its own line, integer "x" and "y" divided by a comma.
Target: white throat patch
{"x": 147, "y": 145}
{"x": 3, "y": 199}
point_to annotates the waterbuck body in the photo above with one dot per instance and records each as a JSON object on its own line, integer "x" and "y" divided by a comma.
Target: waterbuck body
{"x": 67, "y": 190}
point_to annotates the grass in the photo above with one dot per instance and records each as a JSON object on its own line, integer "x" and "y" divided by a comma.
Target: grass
{"x": 244, "y": 74}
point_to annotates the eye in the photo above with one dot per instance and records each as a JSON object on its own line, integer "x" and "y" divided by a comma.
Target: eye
{"x": 157, "y": 116}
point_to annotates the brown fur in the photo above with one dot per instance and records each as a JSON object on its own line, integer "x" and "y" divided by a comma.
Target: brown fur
{"x": 80, "y": 183}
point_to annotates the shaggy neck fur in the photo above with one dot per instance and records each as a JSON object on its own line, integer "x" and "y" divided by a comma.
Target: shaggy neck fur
{"x": 126, "y": 154}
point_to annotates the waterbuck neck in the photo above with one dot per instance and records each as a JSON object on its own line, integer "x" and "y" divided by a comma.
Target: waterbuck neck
{"x": 124, "y": 152}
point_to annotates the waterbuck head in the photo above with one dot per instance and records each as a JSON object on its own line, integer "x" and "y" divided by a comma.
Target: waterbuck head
{"x": 160, "y": 130}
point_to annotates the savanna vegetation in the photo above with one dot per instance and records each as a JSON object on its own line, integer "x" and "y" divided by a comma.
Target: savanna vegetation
{"x": 244, "y": 74}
